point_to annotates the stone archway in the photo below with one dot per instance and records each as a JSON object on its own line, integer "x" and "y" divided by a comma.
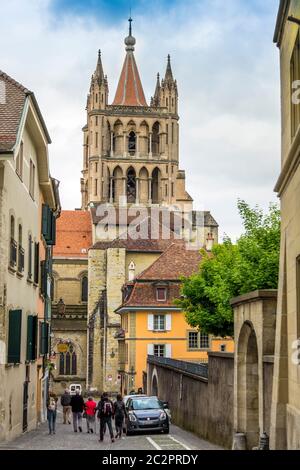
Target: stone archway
{"x": 248, "y": 385}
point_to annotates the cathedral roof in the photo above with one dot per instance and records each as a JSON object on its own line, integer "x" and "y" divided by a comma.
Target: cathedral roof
{"x": 130, "y": 90}
{"x": 73, "y": 235}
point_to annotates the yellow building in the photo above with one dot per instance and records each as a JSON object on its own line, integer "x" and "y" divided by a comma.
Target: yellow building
{"x": 153, "y": 325}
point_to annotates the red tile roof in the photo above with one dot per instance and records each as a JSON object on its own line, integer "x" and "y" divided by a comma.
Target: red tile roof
{"x": 73, "y": 235}
{"x": 130, "y": 90}
{"x": 144, "y": 295}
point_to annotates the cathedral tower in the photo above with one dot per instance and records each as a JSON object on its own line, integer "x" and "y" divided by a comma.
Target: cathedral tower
{"x": 130, "y": 151}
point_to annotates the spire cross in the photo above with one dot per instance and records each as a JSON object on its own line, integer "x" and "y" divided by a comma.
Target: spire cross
{"x": 130, "y": 21}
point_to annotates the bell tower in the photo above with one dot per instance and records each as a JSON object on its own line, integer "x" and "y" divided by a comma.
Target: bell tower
{"x": 131, "y": 149}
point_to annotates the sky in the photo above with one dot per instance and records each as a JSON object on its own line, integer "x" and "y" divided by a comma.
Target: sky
{"x": 227, "y": 70}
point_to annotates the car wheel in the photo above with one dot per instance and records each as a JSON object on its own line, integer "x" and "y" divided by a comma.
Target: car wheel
{"x": 166, "y": 431}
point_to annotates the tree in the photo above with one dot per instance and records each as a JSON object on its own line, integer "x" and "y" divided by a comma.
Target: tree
{"x": 233, "y": 269}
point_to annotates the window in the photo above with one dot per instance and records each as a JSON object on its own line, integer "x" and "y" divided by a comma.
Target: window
{"x": 166, "y": 190}
{"x": 159, "y": 350}
{"x": 31, "y": 353}
{"x": 172, "y": 185}
{"x": 295, "y": 76}
{"x": 198, "y": 340}
{"x": 132, "y": 142}
{"x": 13, "y": 244}
{"x": 167, "y": 134}
{"x": 96, "y": 167}
{"x": 193, "y": 340}
{"x": 20, "y": 251}
{"x": 14, "y": 336}
{"x": 96, "y": 120}
{"x": 172, "y": 132}
{"x": 84, "y": 289}
{"x": 223, "y": 348}
{"x": 167, "y": 102}
{"x": 19, "y": 162}
{"x": 29, "y": 257}
{"x": 159, "y": 322}
{"x": 95, "y": 187}
{"x": 96, "y": 144}
{"x": 68, "y": 362}
{"x": 161, "y": 294}
{"x": 96, "y": 97}
{"x": 32, "y": 179}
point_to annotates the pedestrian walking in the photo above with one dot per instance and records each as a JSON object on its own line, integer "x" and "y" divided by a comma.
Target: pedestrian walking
{"x": 105, "y": 409}
{"x": 77, "y": 404}
{"x": 65, "y": 401}
{"x": 119, "y": 412}
{"x": 52, "y": 412}
{"x": 90, "y": 411}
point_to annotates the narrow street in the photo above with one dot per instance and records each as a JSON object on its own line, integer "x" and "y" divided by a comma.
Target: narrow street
{"x": 66, "y": 439}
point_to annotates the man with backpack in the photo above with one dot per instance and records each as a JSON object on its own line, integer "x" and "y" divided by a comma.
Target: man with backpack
{"x": 106, "y": 414}
{"x": 65, "y": 402}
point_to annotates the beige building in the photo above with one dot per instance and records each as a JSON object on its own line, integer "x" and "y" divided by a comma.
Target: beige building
{"x": 285, "y": 419}
{"x": 29, "y": 204}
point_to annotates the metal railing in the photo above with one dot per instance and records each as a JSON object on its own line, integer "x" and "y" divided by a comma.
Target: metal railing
{"x": 194, "y": 368}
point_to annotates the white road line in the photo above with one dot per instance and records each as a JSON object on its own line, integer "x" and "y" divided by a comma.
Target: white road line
{"x": 153, "y": 443}
{"x": 181, "y": 443}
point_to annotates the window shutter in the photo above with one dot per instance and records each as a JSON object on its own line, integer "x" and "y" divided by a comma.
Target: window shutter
{"x": 168, "y": 322}
{"x": 34, "y": 336}
{"x": 150, "y": 322}
{"x": 53, "y": 230}
{"x": 44, "y": 338}
{"x": 45, "y": 230}
{"x": 14, "y": 336}
{"x": 44, "y": 278}
{"x": 30, "y": 345}
{"x": 150, "y": 349}
{"x": 168, "y": 349}
{"x": 36, "y": 262}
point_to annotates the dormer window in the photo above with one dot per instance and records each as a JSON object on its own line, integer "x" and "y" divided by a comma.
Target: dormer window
{"x": 161, "y": 294}
{"x": 131, "y": 271}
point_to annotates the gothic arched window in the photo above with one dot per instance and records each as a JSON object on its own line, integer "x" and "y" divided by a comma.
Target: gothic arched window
{"x": 68, "y": 362}
{"x": 84, "y": 289}
{"x": 131, "y": 185}
{"x": 132, "y": 142}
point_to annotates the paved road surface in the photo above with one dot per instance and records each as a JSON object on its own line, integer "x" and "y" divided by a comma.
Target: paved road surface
{"x": 65, "y": 438}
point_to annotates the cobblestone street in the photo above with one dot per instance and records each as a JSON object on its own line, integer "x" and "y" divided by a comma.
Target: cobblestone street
{"x": 66, "y": 439}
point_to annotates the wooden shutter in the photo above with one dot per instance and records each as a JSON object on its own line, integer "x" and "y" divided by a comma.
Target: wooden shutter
{"x": 34, "y": 336}
{"x": 44, "y": 278}
{"x": 45, "y": 221}
{"x": 150, "y": 322}
{"x": 30, "y": 345}
{"x": 168, "y": 322}
{"x": 44, "y": 338}
{"x": 36, "y": 262}
{"x": 168, "y": 350}
{"x": 14, "y": 336}
{"x": 52, "y": 239}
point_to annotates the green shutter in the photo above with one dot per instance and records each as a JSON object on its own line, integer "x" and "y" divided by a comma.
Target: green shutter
{"x": 14, "y": 336}
{"x": 34, "y": 336}
{"x": 36, "y": 262}
{"x": 30, "y": 345}
{"x": 52, "y": 239}
{"x": 44, "y": 339}
{"x": 44, "y": 278}
{"x": 45, "y": 212}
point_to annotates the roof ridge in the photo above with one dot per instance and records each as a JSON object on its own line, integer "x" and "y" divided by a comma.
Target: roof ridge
{"x": 14, "y": 82}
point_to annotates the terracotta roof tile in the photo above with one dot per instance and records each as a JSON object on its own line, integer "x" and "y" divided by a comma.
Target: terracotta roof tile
{"x": 73, "y": 235}
{"x": 130, "y": 90}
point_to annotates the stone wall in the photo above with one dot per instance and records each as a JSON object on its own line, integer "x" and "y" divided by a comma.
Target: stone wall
{"x": 202, "y": 405}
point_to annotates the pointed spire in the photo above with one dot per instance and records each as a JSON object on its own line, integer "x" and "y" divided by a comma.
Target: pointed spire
{"x": 130, "y": 90}
{"x": 156, "y": 96}
{"x": 99, "y": 69}
{"x": 169, "y": 74}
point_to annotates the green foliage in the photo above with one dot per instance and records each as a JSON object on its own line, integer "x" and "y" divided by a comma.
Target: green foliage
{"x": 233, "y": 269}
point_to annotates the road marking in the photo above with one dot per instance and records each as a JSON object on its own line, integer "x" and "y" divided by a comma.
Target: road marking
{"x": 153, "y": 443}
{"x": 181, "y": 443}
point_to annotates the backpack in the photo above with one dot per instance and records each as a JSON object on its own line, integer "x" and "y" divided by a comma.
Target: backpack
{"x": 107, "y": 408}
{"x": 119, "y": 408}
{"x": 52, "y": 404}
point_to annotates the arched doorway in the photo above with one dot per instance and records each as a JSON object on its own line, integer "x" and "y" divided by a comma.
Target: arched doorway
{"x": 154, "y": 386}
{"x": 248, "y": 385}
{"x": 131, "y": 185}
{"x": 156, "y": 191}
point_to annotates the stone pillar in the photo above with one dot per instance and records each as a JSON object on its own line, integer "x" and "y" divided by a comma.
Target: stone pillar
{"x": 137, "y": 183}
{"x": 124, "y": 145}
{"x": 111, "y": 189}
{"x": 111, "y": 144}
{"x": 137, "y": 148}
{"x": 149, "y": 190}
{"x": 150, "y": 144}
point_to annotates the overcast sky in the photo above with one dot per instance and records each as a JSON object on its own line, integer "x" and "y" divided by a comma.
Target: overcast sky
{"x": 223, "y": 58}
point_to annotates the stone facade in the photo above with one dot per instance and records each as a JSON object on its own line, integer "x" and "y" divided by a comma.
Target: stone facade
{"x": 285, "y": 419}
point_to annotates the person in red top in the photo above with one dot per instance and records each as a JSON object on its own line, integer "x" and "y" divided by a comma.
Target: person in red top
{"x": 90, "y": 410}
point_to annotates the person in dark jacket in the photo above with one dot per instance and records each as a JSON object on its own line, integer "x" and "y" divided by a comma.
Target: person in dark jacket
{"x": 65, "y": 401}
{"x": 119, "y": 412}
{"x": 105, "y": 409}
{"x": 77, "y": 404}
